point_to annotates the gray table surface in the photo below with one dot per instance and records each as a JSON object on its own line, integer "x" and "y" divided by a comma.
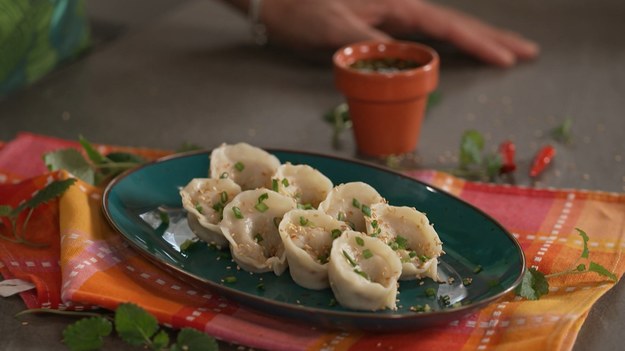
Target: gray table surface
{"x": 167, "y": 72}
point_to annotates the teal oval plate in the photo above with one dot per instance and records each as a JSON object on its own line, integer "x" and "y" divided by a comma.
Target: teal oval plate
{"x": 477, "y": 248}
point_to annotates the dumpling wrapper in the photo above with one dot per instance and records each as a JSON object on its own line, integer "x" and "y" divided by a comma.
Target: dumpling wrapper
{"x": 411, "y": 234}
{"x": 202, "y": 198}
{"x": 246, "y": 165}
{"x": 254, "y": 240}
{"x": 307, "y": 236}
{"x": 363, "y": 272}
{"x": 305, "y": 184}
{"x": 345, "y": 201}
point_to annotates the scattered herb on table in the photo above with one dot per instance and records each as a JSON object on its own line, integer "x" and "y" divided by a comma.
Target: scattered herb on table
{"x": 46, "y": 194}
{"x": 97, "y": 168}
{"x": 136, "y": 327}
{"x": 562, "y": 133}
{"x": 535, "y": 283}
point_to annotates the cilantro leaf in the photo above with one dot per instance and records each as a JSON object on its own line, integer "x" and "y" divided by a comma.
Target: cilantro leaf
{"x": 94, "y": 155}
{"x": 160, "y": 340}
{"x": 584, "y": 236}
{"x": 86, "y": 334}
{"x": 533, "y": 286}
{"x": 471, "y": 146}
{"x": 72, "y": 161}
{"x": 191, "y": 339}
{"x": 601, "y": 270}
{"x": 133, "y": 324}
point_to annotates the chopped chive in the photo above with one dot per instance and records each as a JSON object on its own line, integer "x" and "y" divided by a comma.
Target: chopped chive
{"x": 366, "y": 210}
{"x": 341, "y": 216}
{"x": 303, "y": 221}
{"x": 467, "y": 281}
{"x": 263, "y": 197}
{"x": 366, "y": 253}
{"x": 477, "y": 269}
{"x": 336, "y": 233}
{"x": 274, "y": 185}
{"x": 285, "y": 182}
{"x": 224, "y": 197}
{"x": 349, "y": 258}
{"x": 402, "y": 242}
{"x": 258, "y": 238}
{"x": 412, "y": 254}
{"x": 199, "y": 208}
{"x": 351, "y": 225}
{"x": 237, "y": 212}
{"x": 224, "y": 175}
{"x": 360, "y": 241}
{"x": 457, "y": 304}
{"x": 361, "y": 273}
{"x": 187, "y": 244}
{"x": 239, "y": 166}
{"x": 305, "y": 207}
{"x": 276, "y": 221}
{"x": 332, "y": 302}
{"x": 430, "y": 292}
{"x": 261, "y": 207}
{"x": 230, "y": 279}
{"x": 165, "y": 217}
{"x": 374, "y": 223}
{"x": 260, "y": 286}
{"x": 356, "y": 203}
{"x": 444, "y": 300}
{"x": 423, "y": 258}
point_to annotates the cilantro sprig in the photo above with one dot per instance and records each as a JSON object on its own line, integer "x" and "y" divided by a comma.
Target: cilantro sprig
{"x": 96, "y": 168}
{"x": 136, "y": 327}
{"x": 535, "y": 283}
{"x": 17, "y": 233}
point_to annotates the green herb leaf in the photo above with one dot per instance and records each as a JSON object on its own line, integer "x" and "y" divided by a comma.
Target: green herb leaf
{"x": 72, "y": 161}
{"x": 230, "y": 279}
{"x": 239, "y": 166}
{"x": 336, "y": 233}
{"x": 188, "y": 244}
{"x": 160, "y": 340}
{"x": 366, "y": 210}
{"x": 601, "y": 270}
{"x": 133, "y": 324}
{"x": 192, "y": 340}
{"x": 261, "y": 207}
{"x": 125, "y": 157}
{"x": 562, "y": 133}
{"x": 303, "y": 221}
{"x": 356, "y": 203}
{"x": 237, "y": 212}
{"x": 274, "y": 185}
{"x": 50, "y": 192}
{"x": 94, "y": 155}
{"x": 533, "y": 286}
{"x": 360, "y": 241}
{"x": 285, "y": 182}
{"x": 87, "y": 334}
{"x": 471, "y": 146}
{"x": 349, "y": 258}
{"x": 585, "y": 238}
{"x": 367, "y": 254}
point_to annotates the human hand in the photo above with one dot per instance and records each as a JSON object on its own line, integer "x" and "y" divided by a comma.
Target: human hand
{"x": 333, "y": 23}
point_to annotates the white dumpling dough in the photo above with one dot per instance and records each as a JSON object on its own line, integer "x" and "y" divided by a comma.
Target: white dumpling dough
{"x": 246, "y": 165}
{"x": 204, "y": 198}
{"x": 305, "y": 184}
{"x": 345, "y": 201}
{"x": 411, "y": 235}
{"x": 307, "y": 236}
{"x": 250, "y": 224}
{"x": 363, "y": 272}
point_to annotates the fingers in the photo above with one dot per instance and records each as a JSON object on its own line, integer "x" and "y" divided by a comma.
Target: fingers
{"x": 488, "y": 43}
{"x": 353, "y": 28}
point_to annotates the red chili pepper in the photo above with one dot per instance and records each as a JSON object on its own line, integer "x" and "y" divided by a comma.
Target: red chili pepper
{"x": 507, "y": 151}
{"x": 542, "y": 160}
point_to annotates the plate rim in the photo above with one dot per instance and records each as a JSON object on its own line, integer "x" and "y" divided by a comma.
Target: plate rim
{"x": 238, "y": 295}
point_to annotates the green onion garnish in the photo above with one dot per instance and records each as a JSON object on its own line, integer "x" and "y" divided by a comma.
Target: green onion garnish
{"x": 366, "y": 210}
{"x": 360, "y": 241}
{"x": 261, "y": 207}
{"x": 356, "y": 203}
{"x": 303, "y": 221}
{"x": 224, "y": 175}
{"x": 285, "y": 182}
{"x": 230, "y": 279}
{"x": 349, "y": 258}
{"x": 237, "y": 212}
{"x": 263, "y": 197}
{"x": 274, "y": 185}
{"x": 336, "y": 233}
{"x": 366, "y": 253}
{"x": 239, "y": 166}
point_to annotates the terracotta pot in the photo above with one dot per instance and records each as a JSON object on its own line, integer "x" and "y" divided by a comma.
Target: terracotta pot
{"x": 386, "y": 108}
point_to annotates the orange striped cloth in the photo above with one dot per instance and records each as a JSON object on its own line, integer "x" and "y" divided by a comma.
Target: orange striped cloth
{"x": 88, "y": 265}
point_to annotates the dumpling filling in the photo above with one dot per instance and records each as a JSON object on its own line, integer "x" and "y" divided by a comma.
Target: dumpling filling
{"x": 250, "y": 224}
{"x": 246, "y": 165}
{"x": 351, "y": 202}
{"x": 409, "y": 233}
{"x": 363, "y": 272}
{"x": 307, "y": 236}
{"x": 204, "y": 200}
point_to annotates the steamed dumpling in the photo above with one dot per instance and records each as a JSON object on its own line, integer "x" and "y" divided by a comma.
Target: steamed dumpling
{"x": 250, "y": 224}
{"x": 350, "y": 202}
{"x": 307, "y": 236}
{"x": 204, "y": 200}
{"x": 410, "y": 234}
{"x": 305, "y": 184}
{"x": 246, "y": 165}
{"x": 363, "y": 272}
